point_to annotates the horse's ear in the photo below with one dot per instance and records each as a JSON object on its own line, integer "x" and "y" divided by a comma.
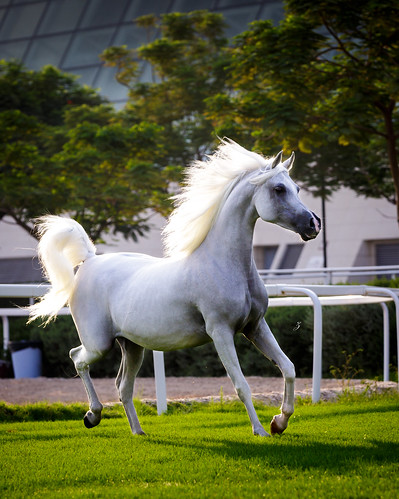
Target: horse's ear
{"x": 289, "y": 162}
{"x": 277, "y": 160}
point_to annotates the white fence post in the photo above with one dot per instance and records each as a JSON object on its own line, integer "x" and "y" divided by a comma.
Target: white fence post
{"x": 317, "y": 337}
{"x": 385, "y": 313}
{"x": 6, "y": 332}
{"x": 160, "y": 381}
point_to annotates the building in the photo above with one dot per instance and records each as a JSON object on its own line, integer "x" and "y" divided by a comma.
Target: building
{"x": 70, "y": 34}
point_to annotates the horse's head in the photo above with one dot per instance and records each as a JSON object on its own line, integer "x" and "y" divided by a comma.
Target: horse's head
{"x": 277, "y": 200}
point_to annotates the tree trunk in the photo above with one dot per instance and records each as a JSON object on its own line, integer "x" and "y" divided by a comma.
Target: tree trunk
{"x": 392, "y": 153}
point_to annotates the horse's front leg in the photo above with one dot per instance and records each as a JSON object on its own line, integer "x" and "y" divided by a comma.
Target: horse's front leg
{"x": 223, "y": 339}
{"x": 264, "y": 340}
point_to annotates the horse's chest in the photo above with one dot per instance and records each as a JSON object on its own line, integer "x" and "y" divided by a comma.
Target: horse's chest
{"x": 253, "y": 312}
{"x": 240, "y": 306}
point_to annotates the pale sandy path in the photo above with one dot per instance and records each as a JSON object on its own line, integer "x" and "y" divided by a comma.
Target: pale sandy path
{"x": 22, "y": 391}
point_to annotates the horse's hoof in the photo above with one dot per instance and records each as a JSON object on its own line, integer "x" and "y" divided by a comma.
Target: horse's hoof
{"x": 261, "y": 432}
{"x": 141, "y": 433}
{"x": 87, "y": 422}
{"x": 91, "y": 420}
{"x": 274, "y": 428}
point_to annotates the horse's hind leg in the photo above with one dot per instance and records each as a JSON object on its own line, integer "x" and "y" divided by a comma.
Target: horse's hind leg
{"x": 132, "y": 358}
{"x": 82, "y": 358}
{"x": 264, "y": 340}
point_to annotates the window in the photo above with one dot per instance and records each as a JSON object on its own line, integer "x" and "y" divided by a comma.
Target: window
{"x": 187, "y": 5}
{"x": 264, "y": 256}
{"x": 291, "y": 256}
{"x": 138, "y": 9}
{"x": 230, "y": 3}
{"x": 108, "y": 85}
{"x": 20, "y": 270}
{"x": 13, "y": 50}
{"x": 273, "y": 10}
{"x": 387, "y": 254}
{"x": 20, "y": 22}
{"x": 237, "y": 18}
{"x": 62, "y": 15}
{"x": 87, "y": 76}
{"x": 87, "y": 46}
{"x": 103, "y": 13}
{"x": 49, "y": 50}
{"x": 131, "y": 35}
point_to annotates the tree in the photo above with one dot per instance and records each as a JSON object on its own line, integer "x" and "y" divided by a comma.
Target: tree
{"x": 187, "y": 65}
{"x": 64, "y": 149}
{"x": 113, "y": 172}
{"x": 324, "y": 79}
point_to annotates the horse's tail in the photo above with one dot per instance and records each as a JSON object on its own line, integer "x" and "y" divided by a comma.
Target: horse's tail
{"x": 63, "y": 245}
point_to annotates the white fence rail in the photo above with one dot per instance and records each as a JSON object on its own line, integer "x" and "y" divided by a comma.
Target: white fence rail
{"x": 328, "y": 275}
{"x": 280, "y": 295}
{"x": 319, "y": 295}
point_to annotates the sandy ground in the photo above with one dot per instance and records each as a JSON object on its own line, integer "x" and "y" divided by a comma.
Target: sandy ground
{"x": 29, "y": 390}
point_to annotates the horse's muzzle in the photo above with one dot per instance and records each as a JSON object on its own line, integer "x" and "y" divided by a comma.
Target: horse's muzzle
{"x": 312, "y": 229}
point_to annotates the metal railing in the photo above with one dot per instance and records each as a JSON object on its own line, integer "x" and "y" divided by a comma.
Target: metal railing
{"x": 319, "y": 295}
{"x": 280, "y": 295}
{"x": 329, "y": 275}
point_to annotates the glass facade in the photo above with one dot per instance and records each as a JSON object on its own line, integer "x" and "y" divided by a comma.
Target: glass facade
{"x": 70, "y": 34}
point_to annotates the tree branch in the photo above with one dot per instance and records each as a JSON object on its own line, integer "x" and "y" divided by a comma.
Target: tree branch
{"x": 371, "y": 129}
{"x": 338, "y": 40}
{"x": 21, "y": 223}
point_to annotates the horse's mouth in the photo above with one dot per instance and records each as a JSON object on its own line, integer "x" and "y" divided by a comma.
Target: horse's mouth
{"x": 309, "y": 237}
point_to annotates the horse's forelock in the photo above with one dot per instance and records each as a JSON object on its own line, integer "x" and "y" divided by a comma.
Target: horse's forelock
{"x": 262, "y": 176}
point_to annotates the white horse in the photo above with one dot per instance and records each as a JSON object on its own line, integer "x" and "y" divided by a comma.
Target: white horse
{"x": 206, "y": 289}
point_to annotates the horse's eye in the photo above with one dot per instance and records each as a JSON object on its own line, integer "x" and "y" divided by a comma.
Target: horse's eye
{"x": 280, "y": 189}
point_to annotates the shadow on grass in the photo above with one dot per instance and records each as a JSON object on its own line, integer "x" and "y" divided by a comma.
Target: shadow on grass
{"x": 51, "y": 412}
{"x": 297, "y": 452}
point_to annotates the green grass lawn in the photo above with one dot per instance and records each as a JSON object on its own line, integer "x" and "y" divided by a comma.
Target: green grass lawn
{"x": 345, "y": 449}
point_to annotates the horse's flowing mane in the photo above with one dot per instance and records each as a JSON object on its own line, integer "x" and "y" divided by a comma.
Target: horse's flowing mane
{"x": 203, "y": 192}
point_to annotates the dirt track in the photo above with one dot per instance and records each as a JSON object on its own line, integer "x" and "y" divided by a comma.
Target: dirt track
{"x": 27, "y": 390}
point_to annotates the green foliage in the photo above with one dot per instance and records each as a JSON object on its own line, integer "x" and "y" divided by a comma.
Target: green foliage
{"x": 118, "y": 161}
{"x": 354, "y": 329}
{"x": 345, "y": 449}
{"x": 385, "y": 282}
{"x": 188, "y": 65}
{"x": 63, "y": 149}
{"x": 51, "y": 412}
{"x": 346, "y": 372}
{"x": 43, "y": 94}
{"x": 322, "y": 81}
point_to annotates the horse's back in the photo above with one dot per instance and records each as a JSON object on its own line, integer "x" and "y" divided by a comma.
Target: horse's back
{"x": 106, "y": 275}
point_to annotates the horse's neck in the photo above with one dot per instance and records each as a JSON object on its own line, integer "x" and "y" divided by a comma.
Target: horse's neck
{"x": 230, "y": 238}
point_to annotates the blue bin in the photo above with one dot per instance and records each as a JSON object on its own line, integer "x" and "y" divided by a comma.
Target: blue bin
{"x": 26, "y": 358}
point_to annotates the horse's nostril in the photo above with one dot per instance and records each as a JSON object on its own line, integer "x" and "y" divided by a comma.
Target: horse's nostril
{"x": 312, "y": 224}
